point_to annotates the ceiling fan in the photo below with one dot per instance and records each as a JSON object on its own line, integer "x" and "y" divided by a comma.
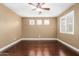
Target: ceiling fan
{"x": 39, "y": 7}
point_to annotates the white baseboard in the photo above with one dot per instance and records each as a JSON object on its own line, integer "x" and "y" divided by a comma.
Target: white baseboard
{"x": 9, "y": 45}
{"x": 38, "y": 39}
{"x": 68, "y": 45}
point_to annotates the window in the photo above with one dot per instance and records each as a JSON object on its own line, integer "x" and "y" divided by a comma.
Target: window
{"x": 63, "y": 25}
{"x": 39, "y": 22}
{"x": 46, "y": 22}
{"x": 67, "y": 23}
{"x": 32, "y": 22}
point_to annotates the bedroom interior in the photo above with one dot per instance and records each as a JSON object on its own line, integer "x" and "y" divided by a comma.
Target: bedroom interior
{"x": 39, "y": 29}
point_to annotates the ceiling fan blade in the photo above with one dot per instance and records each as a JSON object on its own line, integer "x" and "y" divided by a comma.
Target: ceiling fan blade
{"x": 38, "y": 5}
{"x": 46, "y": 8}
{"x": 42, "y": 4}
{"x": 31, "y": 4}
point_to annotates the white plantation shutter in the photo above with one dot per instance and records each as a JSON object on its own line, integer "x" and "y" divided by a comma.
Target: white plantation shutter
{"x": 67, "y": 23}
{"x": 63, "y": 24}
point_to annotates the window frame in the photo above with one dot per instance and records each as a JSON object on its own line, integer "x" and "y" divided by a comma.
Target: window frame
{"x": 39, "y": 22}
{"x": 31, "y": 22}
{"x": 45, "y": 22}
{"x": 66, "y": 23}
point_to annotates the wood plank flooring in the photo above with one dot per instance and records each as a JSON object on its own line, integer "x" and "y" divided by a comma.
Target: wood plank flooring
{"x": 39, "y": 48}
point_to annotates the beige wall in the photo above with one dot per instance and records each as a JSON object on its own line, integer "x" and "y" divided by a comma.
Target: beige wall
{"x": 71, "y": 39}
{"x": 10, "y": 26}
{"x": 43, "y": 31}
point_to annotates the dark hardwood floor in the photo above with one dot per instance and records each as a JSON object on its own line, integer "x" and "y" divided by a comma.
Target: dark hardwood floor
{"x": 39, "y": 48}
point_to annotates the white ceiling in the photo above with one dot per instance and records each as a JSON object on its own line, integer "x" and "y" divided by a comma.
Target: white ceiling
{"x": 24, "y": 10}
